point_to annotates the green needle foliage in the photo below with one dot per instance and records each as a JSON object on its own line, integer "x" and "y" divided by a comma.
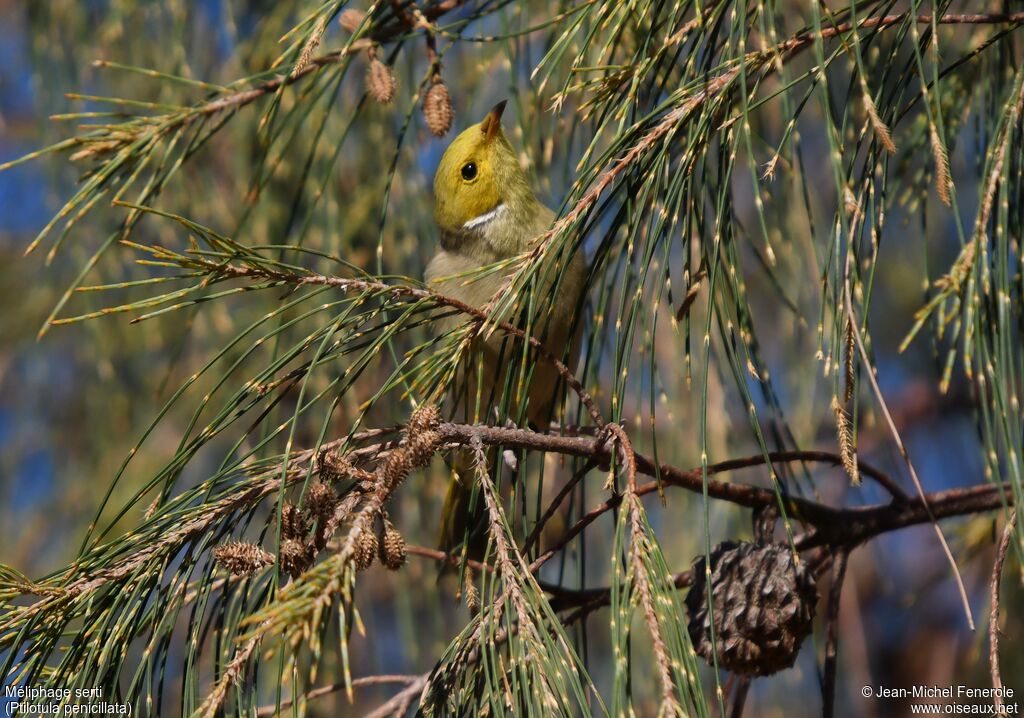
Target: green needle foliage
{"x": 738, "y": 174}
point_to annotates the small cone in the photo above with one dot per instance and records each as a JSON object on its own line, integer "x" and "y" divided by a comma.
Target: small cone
{"x": 764, "y": 607}
{"x": 366, "y": 550}
{"x": 296, "y": 557}
{"x": 293, "y": 523}
{"x": 392, "y": 548}
{"x": 351, "y": 19}
{"x": 321, "y": 503}
{"x": 437, "y": 108}
{"x": 380, "y": 80}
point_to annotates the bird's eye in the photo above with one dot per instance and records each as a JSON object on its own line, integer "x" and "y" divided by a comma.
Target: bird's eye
{"x": 469, "y": 171}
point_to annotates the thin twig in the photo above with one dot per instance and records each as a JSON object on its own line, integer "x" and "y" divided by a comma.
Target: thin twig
{"x": 270, "y": 710}
{"x": 740, "y": 697}
{"x": 556, "y": 502}
{"x": 402, "y": 698}
{"x": 993, "y": 617}
{"x": 828, "y": 686}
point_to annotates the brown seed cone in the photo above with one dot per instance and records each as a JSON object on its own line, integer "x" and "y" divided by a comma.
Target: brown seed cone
{"x": 332, "y": 466}
{"x": 392, "y": 548}
{"x": 421, "y": 436}
{"x": 380, "y": 80}
{"x": 421, "y": 448}
{"x": 320, "y": 503}
{"x": 366, "y": 550}
{"x": 241, "y": 558}
{"x": 395, "y": 467}
{"x": 293, "y": 523}
{"x": 425, "y": 417}
{"x": 764, "y": 605}
{"x": 437, "y": 108}
{"x": 296, "y": 557}
{"x": 350, "y": 19}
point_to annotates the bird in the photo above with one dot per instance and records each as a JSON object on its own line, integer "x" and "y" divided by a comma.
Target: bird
{"x": 486, "y": 211}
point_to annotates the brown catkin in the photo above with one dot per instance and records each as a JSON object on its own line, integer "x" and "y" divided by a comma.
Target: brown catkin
{"x": 392, "y": 548}
{"x": 437, "y": 108}
{"x": 879, "y": 127}
{"x": 846, "y": 449}
{"x": 241, "y": 558}
{"x": 311, "y": 45}
{"x": 422, "y": 447}
{"x": 849, "y": 365}
{"x": 380, "y": 80}
{"x": 943, "y": 180}
{"x": 395, "y": 467}
{"x": 350, "y": 19}
{"x": 366, "y": 550}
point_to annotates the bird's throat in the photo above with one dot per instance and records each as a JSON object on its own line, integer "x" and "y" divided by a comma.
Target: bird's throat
{"x": 486, "y": 218}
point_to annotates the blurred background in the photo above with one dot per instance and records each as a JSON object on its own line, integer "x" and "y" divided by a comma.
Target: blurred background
{"x": 75, "y": 401}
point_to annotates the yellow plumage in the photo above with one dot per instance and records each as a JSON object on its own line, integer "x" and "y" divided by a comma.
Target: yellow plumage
{"x": 486, "y": 211}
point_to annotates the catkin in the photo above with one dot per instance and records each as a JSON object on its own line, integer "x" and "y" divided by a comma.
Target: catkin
{"x": 420, "y": 444}
{"x": 350, "y": 19}
{"x": 380, "y": 80}
{"x": 943, "y": 180}
{"x": 849, "y": 365}
{"x": 437, "y": 108}
{"x": 311, "y": 45}
{"x": 846, "y": 449}
{"x": 472, "y": 598}
{"x": 879, "y": 127}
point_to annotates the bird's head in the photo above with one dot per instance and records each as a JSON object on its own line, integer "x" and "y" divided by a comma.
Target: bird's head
{"x": 478, "y": 177}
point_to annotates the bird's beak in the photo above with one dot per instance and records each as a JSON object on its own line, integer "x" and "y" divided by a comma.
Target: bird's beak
{"x": 492, "y": 122}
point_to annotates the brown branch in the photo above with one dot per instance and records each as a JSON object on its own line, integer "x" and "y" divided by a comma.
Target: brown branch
{"x": 390, "y": 31}
{"x": 453, "y": 560}
{"x": 271, "y": 710}
{"x": 741, "y": 494}
{"x": 801, "y": 41}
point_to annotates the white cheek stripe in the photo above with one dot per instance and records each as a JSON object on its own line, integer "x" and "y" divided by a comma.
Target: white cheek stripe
{"x": 485, "y": 217}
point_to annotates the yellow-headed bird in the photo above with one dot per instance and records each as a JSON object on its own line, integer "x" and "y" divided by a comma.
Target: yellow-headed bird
{"x": 486, "y": 212}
